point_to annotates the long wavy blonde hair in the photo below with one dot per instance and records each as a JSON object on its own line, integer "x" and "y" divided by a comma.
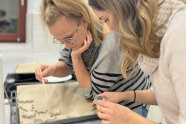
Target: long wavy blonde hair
{"x": 135, "y": 20}
{"x": 51, "y": 10}
{"x": 183, "y": 1}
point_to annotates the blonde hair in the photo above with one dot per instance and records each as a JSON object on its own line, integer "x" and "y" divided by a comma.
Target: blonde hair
{"x": 51, "y": 10}
{"x": 136, "y": 26}
{"x": 184, "y": 1}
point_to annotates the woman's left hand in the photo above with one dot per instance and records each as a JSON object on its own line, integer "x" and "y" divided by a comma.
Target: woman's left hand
{"x": 87, "y": 42}
{"x": 112, "y": 113}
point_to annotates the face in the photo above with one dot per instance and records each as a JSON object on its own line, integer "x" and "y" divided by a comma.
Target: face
{"x": 69, "y": 30}
{"x": 107, "y": 17}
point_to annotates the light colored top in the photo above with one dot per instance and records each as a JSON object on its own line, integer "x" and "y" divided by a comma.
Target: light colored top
{"x": 169, "y": 78}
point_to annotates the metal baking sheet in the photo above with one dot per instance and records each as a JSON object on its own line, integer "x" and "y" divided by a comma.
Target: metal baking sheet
{"x": 74, "y": 120}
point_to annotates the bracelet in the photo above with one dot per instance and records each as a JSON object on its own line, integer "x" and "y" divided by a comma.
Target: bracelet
{"x": 134, "y": 96}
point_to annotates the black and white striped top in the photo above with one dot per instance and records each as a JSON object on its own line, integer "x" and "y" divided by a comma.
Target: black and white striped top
{"x": 106, "y": 73}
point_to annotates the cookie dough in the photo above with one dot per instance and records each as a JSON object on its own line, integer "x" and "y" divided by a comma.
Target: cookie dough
{"x": 55, "y": 113}
{"x": 25, "y": 100}
{"x": 41, "y": 111}
{"x": 26, "y": 107}
{"x": 27, "y": 121}
{"x": 61, "y": 103}
{"x": 28, "y": 115}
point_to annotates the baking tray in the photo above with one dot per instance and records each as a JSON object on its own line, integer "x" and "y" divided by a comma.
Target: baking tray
{"x": 83, "y": 119}
{"x": 88, "y": 117}
{"x": 13, "y": 80}
{"x": 75, "y": 120}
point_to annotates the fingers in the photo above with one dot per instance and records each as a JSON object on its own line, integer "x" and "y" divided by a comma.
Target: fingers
{"x": 103, "y": 116}
{"x": 105, "y": 122}
{"x": 105, "y": 111}
{"x": 102, "y": 109}
{"x": 37, "y": 74}
{"x": 45, "y": 80}
{"x": 40, "y": 75}
{"x": 46, "y": 72}
{"x": 89, "y": 38}
{"x": 87, "y": 41}
{"x": 105, "y": 104}
{"x": 104, "y": 95}
{"x": 43, "y": 67}
{"x": 93, "y": 105}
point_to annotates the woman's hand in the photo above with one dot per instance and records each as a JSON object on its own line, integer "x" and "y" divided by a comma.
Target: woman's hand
{"x": 112, "y": 113}
{"x": 114, "y": 97}
{"x": 77, "y": 53}
{"x": 47, "y": 70}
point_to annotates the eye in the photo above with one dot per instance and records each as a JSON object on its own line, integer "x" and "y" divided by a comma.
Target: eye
{"x": 104, "y": 19}
{"x": 101, "y": 18}
{"x": 70, "y": 37}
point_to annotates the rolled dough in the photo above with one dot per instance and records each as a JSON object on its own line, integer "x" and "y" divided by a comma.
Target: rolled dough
{"x": 64, "y": 101}
{"x": 26, "y": 107}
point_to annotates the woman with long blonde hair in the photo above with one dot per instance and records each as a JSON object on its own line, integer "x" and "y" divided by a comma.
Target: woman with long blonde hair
{"x": 153, "y": 36}
{"x": 91, "y": 51}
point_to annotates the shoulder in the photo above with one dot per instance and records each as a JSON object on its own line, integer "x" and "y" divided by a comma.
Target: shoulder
{"x": 110, "y": 41}
{"x": 109, "y": 49}
{"x": 110, "y": 37}
{"x": 173, "y": 45}
{"x": 176, "y": 29}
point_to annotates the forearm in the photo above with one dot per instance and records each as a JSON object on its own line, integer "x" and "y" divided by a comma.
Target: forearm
{"x": 142, "y": 96}
{"x": 138, "y": 119}
{"x": 61, "y": 69}
{"x": 81, "y": 72}
{"x": 146, "y": 97}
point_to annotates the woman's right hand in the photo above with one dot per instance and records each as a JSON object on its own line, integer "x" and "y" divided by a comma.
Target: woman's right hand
{"x": 47, "y": 70}
{"x": 114, "y": 97}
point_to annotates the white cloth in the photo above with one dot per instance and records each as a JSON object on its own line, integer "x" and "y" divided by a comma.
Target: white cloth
{"x": 168, "y": 75}
{"x": 147, "y": 64}
{"x": 168, "y": 80}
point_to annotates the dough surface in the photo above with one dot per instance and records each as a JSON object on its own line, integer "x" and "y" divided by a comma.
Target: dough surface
{"x": 65, "y": 100}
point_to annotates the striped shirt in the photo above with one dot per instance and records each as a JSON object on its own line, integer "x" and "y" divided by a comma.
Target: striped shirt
{"x": 106, "y": 73}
